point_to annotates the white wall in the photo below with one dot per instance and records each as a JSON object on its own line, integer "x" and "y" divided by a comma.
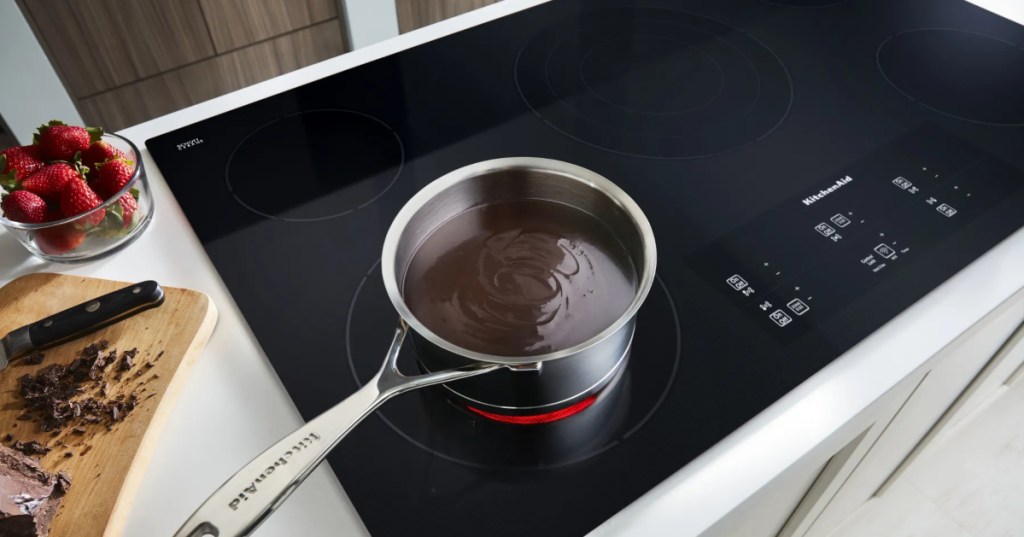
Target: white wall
{"x": 30, "y": 93}
{"x": 369, "y": 21}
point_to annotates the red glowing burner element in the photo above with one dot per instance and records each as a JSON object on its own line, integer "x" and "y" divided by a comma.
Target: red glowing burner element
{"x": 537, "y": 419}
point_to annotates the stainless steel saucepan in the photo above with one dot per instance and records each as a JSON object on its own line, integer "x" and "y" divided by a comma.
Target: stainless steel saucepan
{"x": 508, "y": 384}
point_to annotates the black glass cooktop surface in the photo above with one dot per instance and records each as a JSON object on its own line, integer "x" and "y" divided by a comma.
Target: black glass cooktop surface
{"x": 810, "y": 170}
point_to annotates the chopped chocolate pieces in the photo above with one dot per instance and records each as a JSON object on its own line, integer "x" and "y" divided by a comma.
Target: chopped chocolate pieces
{"x": 68, "y": 454}
{"x": 54, "y": 396}
{"x": 34, "y": 358}
{"x": 31, "y": 448}
{"x": 29, "y": 496}
{"x": 78, "y": 430}
{"x": 8, "y": 437}
{"x": 63, "y": 483}
{"x": 161, "y": 353}
{"x": 127, "y": 358}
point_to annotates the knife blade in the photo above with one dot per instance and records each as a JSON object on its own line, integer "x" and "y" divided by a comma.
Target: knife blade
{"x": 80, "y": 320}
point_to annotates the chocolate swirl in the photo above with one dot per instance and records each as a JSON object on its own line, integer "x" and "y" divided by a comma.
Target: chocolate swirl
{"x": 519, "y": 278}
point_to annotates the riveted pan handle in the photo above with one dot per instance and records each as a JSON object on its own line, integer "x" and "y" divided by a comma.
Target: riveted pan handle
{"x": 239, "y": 506}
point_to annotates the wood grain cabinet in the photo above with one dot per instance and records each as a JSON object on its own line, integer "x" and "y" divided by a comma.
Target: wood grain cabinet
{"x": 126, "y": 61}
{"x": 413, "y": 14}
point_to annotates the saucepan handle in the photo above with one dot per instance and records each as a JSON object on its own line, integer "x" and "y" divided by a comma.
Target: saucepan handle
{"x": 261, "y": 486}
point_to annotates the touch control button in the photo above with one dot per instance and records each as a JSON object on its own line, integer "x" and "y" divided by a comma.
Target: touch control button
{"x": 901, "y": 182}
{"x": 840, "y": 220}
{"x": 797, "y": 306}
{"x": 946, "y": 210}
{"x": 780, "y": 317}
{"x": 824, "y": 229}
{"x": 736, "y": 282}
{"x": 884, "y": 250}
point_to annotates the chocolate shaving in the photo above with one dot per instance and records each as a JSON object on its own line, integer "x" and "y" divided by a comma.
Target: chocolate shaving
{"x": 127, "y": 358}
{"x": 34, "y": 359}
{"x": 63, "y": 480}
{"x": 31, "y": 448}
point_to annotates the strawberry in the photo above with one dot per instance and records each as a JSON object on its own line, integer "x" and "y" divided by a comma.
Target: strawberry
{"x": 125, "y": 208}
{"x": 25, "y": 207}
{"x": 60, "y": 239}
{"x": 49, "y": 181}
{"x": 77, "y": 198}
{"x": 60, "y": 142}
{"x": 112, "y": 176}
{"x": 18, "y": 163}
{"x": 100, "y": 152}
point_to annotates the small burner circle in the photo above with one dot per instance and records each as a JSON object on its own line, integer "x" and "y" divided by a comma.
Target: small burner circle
{"x": 428, "y": 420}
{"x": 963, "y": 74}
{"x": 653, "y": 82}
{"x": 315, "y": 165}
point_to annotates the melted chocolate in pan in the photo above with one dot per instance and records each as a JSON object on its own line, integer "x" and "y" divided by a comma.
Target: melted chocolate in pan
{"x": 520, "y": 278}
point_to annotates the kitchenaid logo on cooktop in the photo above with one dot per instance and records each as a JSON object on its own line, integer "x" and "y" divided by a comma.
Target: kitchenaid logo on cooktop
{"x": 190, "y": 143}
{"x": 253, "y": 487}
{"x": 809, "y": 200}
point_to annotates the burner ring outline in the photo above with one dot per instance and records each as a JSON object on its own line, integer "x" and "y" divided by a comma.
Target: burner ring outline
{"x": 677, "y": 358}
{"x": 391, "y": 183}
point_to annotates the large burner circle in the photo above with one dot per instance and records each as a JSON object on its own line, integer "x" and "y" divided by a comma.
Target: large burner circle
{"x": 444, "y": 428}
{"x": 959, "y": 73}
{"x": 653, "y": 82}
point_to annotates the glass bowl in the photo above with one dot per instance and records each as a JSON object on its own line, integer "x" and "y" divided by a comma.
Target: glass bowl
{"x": 97, "y": 233}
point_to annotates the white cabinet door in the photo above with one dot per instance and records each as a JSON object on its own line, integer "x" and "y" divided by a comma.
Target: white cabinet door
{"x": 947, "y": 375}
{"x": 873, "y": 422}
{"x": 989, "y": 380}
{"x": 793, "y": 500}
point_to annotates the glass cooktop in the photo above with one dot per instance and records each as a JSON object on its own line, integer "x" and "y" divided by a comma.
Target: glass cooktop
{"x": 810, "y": 169}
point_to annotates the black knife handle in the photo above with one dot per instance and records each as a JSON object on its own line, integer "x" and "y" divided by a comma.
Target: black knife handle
{"x": 94, "y": 314}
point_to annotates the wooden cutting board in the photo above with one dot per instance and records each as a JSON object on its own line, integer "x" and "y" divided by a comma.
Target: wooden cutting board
{"x": 105, "y": 466}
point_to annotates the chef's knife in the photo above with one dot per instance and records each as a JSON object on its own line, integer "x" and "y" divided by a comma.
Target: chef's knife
{"x": 80, "y": 320}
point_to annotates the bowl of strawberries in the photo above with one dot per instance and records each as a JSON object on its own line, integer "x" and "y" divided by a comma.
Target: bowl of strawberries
{"x": 74, "y": 194}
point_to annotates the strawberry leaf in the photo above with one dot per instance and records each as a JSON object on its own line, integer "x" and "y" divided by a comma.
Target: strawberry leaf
{"x": 79, "y": 167}
{"x": 95, "y": 133}
{"x": 135, "y": 193}
{"x": 9, "y": 182}
{"x": 115, "y": 216}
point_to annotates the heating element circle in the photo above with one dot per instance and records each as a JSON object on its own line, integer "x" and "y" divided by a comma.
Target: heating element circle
{"x": 653, "y": 82}
{"x": 315, "y": 165}
{"x": 445, "y": 428}
{"x": 959, "y": 73}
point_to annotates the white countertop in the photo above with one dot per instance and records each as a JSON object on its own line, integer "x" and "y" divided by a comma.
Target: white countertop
{"x": 233, "y": 405}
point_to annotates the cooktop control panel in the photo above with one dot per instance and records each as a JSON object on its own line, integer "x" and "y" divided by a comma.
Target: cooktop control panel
{"x": 794, "y": 265}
